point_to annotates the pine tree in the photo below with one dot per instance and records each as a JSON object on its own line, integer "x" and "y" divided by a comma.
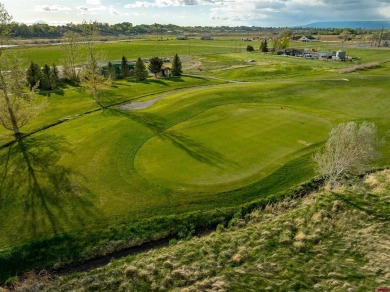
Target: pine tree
{"x": 33, "y": 75}
{"x": 54, "y": 78}
{"x": 124, "y": 67}
{"x": 155, "y": 65}
{"x": 176, "y": 66}
{"x": 140, "y": 71}
{"x": 264, "y": 46}
{"x": 45, "y": 79}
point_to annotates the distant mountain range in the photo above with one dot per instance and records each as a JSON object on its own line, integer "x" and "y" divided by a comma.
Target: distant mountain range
{"x": 350, "y": 24}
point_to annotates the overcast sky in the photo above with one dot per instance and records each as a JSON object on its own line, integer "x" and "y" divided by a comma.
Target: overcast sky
{"x": 197, "y": 12}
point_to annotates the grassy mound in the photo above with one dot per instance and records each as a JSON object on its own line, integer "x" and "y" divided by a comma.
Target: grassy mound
{"x": 325, "y": 241}
{"x": 194, "y": 155}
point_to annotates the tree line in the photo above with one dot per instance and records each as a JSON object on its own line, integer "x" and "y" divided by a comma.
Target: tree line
{"x": 140, "y": 72}
{"x": 43, "y": 30}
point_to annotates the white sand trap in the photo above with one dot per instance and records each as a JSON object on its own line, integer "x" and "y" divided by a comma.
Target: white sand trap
{"x": 140, "y": 104}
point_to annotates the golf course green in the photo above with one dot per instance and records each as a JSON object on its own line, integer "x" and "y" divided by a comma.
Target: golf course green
{"x": 91, "y": 180}
{"x": 228, "y": 147}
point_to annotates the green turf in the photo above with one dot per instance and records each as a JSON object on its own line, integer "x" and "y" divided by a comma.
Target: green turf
{"x": 134, "y": 49}
{"x": 195, "y": 156}
{"x": 203, "y": 147}
{"x": 70, "y": 102}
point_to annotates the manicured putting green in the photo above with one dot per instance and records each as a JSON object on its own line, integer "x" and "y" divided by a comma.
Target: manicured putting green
{"x": 228, "y": 146}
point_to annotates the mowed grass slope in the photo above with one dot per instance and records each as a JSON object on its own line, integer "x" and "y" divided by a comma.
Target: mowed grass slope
{"x": 70, "y": 102}
{"x": 195, "y": 150}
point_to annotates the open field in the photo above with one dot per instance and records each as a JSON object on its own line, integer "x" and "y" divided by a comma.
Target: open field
{"x": 138, "y": 48}
{"x": 239, "y": 132}
{"x": 152, "y": 47}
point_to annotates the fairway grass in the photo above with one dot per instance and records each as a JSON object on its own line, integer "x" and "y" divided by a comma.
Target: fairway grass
{"x": 228, "y": 147}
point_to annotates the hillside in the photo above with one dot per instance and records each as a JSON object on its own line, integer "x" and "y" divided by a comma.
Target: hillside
{"x": 350, "y": 24}
{"x": 325, "y": 241}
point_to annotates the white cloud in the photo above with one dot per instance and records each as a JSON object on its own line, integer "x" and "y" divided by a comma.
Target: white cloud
{"x": 92, "y": 10}
{"x": 226, "y": 12}
{"x": 385, "y": 11}
{"x": 50, "y": 8}
{"x": 139, "y": 4}
{"x": 170, "y": 3}
{"x": 93, "y": 2}
{"x": 113, "y": 11}
{"x": 296, "y": 12}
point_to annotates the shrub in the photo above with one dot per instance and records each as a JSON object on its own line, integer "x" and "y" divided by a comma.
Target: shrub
{"x": 250, "y": 48}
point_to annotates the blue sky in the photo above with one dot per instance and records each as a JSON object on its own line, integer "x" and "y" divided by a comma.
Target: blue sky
{"x": 197, "y": 12}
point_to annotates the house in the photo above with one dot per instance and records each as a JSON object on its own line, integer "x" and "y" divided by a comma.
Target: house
{"x": 307, "y": 38}
{"x": 207, "y": 38}
{"x": 246, "y": 39}
{"x": 182, "y": 38}
{"x": 164, "y": 72}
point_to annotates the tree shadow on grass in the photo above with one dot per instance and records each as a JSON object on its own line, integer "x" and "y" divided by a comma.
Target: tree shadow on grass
{"x": 48, "y": 93}
{"x": 369, "y": 203}
{"x": 195, "y": 77}
{"x": 31, "y": 175}
{"x": 155, "y": 81}
{"x": 175, "y": 79}
{"x": 159, "y": 126}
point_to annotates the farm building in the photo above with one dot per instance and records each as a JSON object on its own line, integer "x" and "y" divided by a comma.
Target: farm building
{"x": 307, "y": 38}
{"x": 117, "y": 66}
{"x": 207, "y": 38}
{"x": 326, "y": 54}
{"x": 165, "y": 72}
{"x": 341, "y": 55}
{"x": 182, "y": 38}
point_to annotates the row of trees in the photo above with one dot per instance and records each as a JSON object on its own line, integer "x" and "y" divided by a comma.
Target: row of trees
{"x": 281, "y": 43}
{"x": 43, "y": 30}
{"x": 86, "y": 52}
{"x": 46, "y": 78}
{"x": 140, "y": 71}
